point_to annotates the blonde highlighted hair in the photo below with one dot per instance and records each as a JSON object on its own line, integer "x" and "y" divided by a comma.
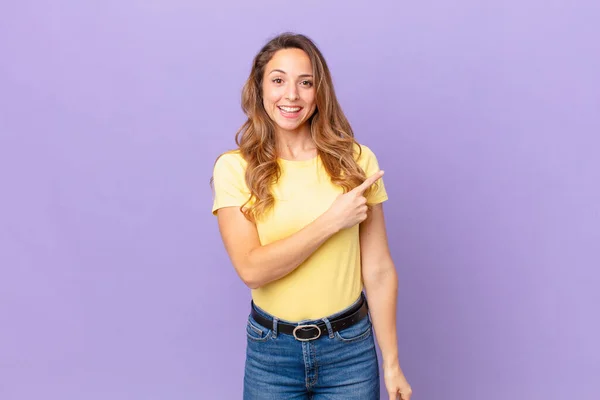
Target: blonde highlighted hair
{"x": 329, "y": 127}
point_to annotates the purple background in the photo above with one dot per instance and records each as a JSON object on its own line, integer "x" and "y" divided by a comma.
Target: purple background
{"x": 485, "y": 115}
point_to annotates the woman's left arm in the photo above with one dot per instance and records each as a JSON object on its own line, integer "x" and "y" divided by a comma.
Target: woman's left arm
{"x": 381, "y": 284}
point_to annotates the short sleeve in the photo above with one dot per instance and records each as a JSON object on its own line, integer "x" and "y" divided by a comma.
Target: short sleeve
{"x": 368, "y": 162}
{"x": 229, "y": 182}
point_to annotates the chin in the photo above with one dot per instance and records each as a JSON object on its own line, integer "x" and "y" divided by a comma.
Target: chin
{"x": 288, "y": 126}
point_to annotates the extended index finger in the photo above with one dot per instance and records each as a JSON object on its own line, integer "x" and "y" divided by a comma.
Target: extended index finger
{"x": 369, "y": 181}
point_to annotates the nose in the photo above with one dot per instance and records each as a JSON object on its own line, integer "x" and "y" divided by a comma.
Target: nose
{"x": 292, "y": 93}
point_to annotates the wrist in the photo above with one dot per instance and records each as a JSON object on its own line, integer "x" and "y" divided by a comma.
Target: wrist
{"x": 391, "y": 362}
{"x": 330, "y": 223}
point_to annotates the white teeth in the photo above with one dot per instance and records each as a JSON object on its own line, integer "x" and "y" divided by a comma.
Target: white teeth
{"x": 290, "y": 109}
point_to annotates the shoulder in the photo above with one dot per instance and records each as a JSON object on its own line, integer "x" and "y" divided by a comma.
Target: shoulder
{"x": 230, "y": 167}
{"x": 230, "y": 160}
{"x": 363, "y": 154}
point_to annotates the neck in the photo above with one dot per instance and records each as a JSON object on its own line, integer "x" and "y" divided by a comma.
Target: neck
{"x": 297, "y": 144}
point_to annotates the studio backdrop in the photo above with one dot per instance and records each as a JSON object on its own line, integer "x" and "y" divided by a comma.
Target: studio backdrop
{"x": 114, "y": 283}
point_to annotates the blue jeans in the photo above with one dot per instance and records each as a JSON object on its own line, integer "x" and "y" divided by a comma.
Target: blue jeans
{"x": 341, "y": 365}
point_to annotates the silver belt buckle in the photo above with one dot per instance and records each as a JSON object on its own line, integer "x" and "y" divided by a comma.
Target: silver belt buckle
{"x": 304, "y": 327}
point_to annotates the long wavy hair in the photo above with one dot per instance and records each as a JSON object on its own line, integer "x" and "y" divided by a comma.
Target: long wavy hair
{"x": 329, "y": 127}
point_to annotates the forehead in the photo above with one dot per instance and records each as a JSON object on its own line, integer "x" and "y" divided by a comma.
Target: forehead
{"x": 292, "y": 61}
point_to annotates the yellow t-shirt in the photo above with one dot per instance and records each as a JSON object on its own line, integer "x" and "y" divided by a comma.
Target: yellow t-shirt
{"x": 330, "y": 279}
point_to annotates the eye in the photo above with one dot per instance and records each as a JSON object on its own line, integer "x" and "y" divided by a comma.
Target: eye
{"x": 307, "y": 83}
{"x": 277, "y": 80}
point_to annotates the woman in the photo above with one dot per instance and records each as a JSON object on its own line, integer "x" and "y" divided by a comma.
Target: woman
{"x": 299, "y": 211}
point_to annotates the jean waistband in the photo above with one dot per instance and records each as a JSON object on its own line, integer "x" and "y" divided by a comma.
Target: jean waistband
{"x": 309, "y": 321}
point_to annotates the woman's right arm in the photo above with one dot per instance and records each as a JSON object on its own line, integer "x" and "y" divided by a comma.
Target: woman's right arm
{"x": 258, "y": 265}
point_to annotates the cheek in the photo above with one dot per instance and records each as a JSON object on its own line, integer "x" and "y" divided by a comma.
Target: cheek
{"x": 313, "y": 105}
{"x": 268, "y": 103}
{"x": 270, "y": 95}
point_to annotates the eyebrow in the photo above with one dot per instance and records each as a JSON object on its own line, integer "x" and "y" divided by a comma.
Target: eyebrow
{"x": 283, "y": 72}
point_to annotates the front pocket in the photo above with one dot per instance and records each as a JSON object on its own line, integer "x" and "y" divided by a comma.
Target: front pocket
{"x": 359, "y": 331}
{"x": 256, "y": 332}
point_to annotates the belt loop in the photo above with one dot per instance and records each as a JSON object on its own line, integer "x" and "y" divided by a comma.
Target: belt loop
{"x": 329, "y": 329}
{"x": 275, "y": 321}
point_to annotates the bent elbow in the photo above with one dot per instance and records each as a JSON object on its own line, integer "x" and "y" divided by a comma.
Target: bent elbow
{"x": 249, "y": 278}
{"x": 251, "y": 283}
{"x": 249, "y": 273}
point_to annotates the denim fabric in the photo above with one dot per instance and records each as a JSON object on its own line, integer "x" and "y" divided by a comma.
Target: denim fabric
{"x": 341, "y": 365}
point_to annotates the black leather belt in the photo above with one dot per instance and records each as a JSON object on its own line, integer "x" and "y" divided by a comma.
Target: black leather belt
{"x": 313, "y": 331}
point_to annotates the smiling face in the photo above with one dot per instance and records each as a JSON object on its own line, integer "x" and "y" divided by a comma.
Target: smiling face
{"x": 288, "y": 89}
